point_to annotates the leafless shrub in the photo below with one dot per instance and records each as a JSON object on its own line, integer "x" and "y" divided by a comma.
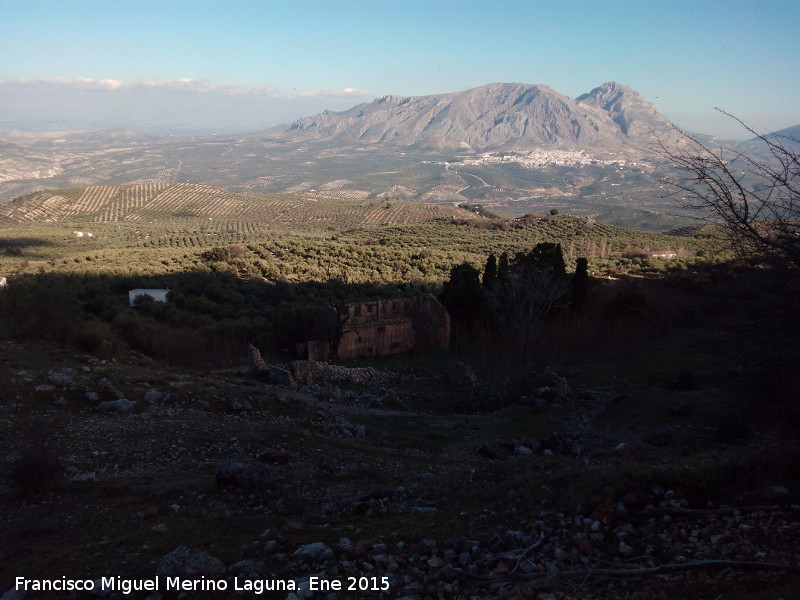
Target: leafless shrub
{"x": 756, "y": 199}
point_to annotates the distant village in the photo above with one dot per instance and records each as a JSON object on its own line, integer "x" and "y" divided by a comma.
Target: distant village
{"x": 543, "y": 158}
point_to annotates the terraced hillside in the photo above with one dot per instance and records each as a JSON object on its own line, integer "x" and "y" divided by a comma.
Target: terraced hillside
{"x": 165, "y": 201}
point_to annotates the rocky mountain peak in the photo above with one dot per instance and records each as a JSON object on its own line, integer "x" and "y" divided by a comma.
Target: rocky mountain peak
{"x": 635, "y": 116}
{"x": 496, "y": 116}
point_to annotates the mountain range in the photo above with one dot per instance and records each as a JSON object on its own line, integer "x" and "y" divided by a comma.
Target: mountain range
{"x": 509, "y": 146}
{"x": 498, "y": 116}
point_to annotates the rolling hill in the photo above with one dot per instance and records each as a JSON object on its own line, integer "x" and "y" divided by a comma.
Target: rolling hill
{"x": 147, "y": 202}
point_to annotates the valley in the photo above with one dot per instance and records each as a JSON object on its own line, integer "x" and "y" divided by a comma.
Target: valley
{"x": 560, "y": 382}
{"x": 513, "y": 147}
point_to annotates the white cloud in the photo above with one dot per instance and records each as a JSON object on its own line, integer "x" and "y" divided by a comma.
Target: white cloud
{"x": 158, "y": 105}
{"x": 183, "y": 84}
{"x": 343, "y": 93}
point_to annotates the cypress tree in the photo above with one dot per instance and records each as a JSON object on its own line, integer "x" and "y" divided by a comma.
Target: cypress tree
{"x": 490, "y": 272}
{"x": 504, "y": 268}
{"x": 580, "y": 284}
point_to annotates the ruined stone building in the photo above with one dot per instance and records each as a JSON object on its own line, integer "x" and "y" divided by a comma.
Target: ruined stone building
{"x": 383, "y": 327}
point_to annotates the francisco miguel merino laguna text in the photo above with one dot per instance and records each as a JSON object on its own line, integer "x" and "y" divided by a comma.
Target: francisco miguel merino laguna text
{"x": 200, "y": 584}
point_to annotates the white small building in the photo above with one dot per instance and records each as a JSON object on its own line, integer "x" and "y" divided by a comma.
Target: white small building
{"x": 157, "y": 295}
{"x": 3, "y": 282}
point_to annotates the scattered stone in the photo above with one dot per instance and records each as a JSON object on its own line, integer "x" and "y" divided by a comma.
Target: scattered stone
{"x": 122, "y": 406}
{"x": 247, "y": 567}
{"x": 241, "y": 405}
{"x": 106, "y": 387}
{"x": 65, "y": 378}
{"x": 308, "y": 371}
{"x": 153, "y": 396}
{"x": 199, "y": 404}
{"x": 779, "y": 491}
{"x": 192, "y": 564}
{"x": 315, "y": 551}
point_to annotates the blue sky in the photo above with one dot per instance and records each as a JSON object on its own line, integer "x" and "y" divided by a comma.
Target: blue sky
{"x": 250, "y": 64}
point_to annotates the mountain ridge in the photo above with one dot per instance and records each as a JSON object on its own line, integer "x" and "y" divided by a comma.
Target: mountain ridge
{"x": 501, "y": 116}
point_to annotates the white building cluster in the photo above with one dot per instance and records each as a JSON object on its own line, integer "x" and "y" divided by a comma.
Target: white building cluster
{"x": 542, "y": 158}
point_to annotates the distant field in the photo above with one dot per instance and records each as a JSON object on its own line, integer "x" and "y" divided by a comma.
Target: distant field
{"x": 261, "y": 165}
{"x": 148, "y": 202}
{"x": 152, "y": 228}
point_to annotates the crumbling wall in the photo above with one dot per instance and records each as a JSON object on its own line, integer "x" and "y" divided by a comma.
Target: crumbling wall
{"x": 380, "y": 339}
{"x": 384, "y": 327}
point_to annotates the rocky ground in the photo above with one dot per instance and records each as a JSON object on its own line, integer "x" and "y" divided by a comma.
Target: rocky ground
{"x": 583, "y": 486}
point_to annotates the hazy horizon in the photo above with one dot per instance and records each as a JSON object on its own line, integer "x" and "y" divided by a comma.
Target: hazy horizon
{"x": 188, "y": 67}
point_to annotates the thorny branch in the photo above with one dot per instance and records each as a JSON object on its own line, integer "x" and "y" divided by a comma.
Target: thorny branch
{"x": 757, "y": 200}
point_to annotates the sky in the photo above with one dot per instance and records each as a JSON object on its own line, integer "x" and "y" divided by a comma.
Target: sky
{"x": 238, "y": 65}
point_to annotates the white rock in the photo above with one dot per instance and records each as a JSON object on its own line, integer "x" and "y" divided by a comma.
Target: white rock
{"x": 624, "y": 549}
{"x": 122, "y": 406}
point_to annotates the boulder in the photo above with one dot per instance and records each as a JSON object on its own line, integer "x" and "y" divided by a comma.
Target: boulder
{"x": 106, "y": 387}
{"x": 153, "y": 396}
{"x": 254, "y": 361}
{"x": 315, "y": 551}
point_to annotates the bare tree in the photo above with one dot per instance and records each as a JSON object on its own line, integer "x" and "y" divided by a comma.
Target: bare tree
{"x": 521, "y": 301}
{"x": 755, "y": 195}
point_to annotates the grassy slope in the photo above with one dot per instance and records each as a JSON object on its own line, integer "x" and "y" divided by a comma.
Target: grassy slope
{"x": 145, "y": 464}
